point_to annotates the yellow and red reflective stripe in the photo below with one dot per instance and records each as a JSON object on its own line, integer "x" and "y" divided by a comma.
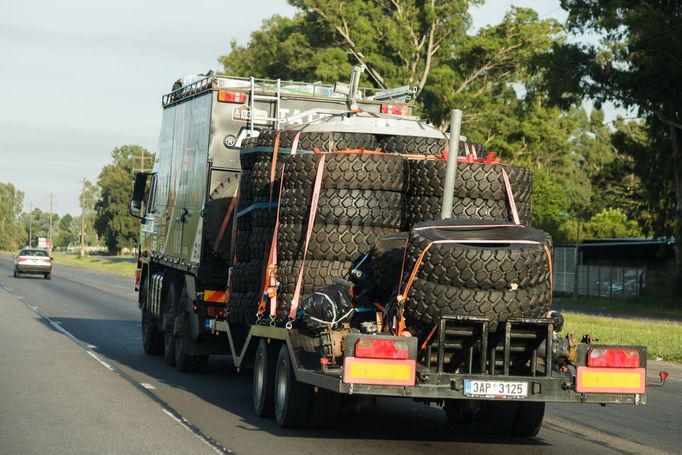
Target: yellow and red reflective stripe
{"x": 215, "y": 297}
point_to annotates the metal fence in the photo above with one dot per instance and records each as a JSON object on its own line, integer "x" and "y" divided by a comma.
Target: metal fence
{"x": 595, "y": 280}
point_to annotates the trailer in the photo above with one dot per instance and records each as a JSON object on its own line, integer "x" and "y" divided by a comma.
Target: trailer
{"x": 496, "y": 373}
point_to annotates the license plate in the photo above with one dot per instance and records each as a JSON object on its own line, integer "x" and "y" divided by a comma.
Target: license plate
{"x": 495, "y": 389}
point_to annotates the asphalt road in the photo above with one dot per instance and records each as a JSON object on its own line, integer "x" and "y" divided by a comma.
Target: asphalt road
{"x": 97, "y": 314}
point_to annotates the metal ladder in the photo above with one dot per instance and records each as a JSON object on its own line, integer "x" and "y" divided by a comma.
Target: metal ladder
{"x": 252, "y": 104}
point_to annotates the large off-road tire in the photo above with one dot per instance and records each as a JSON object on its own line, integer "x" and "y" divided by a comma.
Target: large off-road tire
{"x": 246, "y": 276}
{"x": 387, "y": 259}
{"x": 328, "y": 242}
{"x": 246, "y": 185}
{"x": 428, "y": 208}
{"x": 262, "y": 173}
{"x": 152, "y": 338}
{"x": 292, "y": 398}
{"x": 348, "y": 171}
{"x": 265, "y": 363}
{"x": 327, "y": 141}
{"x": 188, "y": 363}
{"x": 427, "y": 302}
{"x": 413, "y": 145}
{"x": 214, "y": 217}
{"x": 497, "y": 279}
{"x": 169, "y": 346}
{"x": 500, "y": 265}
{"x": 474, "y": 180}
{"x": 497, "y": 417}
{"x": 528, "y": 420}
{"x": 243, "y": 307}
{"x": 344, "y": 207}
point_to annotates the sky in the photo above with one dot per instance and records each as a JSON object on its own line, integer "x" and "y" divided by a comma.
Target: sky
{"x": 81, "y": 77}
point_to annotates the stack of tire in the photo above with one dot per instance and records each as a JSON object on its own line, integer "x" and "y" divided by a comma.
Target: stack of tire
{"x": 355, "y": 208}
{"x": 479, "y": 191}
{"x": 479, "y": 194}
{"x": 483, "y": 268}
{"x": 361, "y": 200}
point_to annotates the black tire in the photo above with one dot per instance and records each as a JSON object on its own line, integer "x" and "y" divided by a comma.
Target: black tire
{"x": 324, "y": 408}
{"x": 214, "y": 215}
{"x": 348, "y": 171}
{"x": 169, "y": 329}
{"x": 247, "y": 276}
{"x": 428, "y": 208}
{"x": 187, "y": 363}
{"x": 413, "y": 145}
{"x": 265, "y": 363}
{"x": 387, "y": 262}
{"x": 327, "y": 141}
{"x": 528, "y": 420}
{"x": 490, "y": 266}
{"x": 16, "y": 274}
{"x": 328, "y": 242}
{"x": 344, "y": 207}
{"x": 243, "y": 307}
{"x": 497, "y": 417}
{"x": 169, "y": 346}
{"x": 47, "y": 276}
{"x": 474, "y": 180}
{"x": 152, "y": 338}
{"x": 292, "y": 398}
{"x": 261, "y": 178}
{"x": 457, "y": 413}
{"x": 242, "y": 246}
{"x": 427, "y": 302}
{"x": 246, "y": 185}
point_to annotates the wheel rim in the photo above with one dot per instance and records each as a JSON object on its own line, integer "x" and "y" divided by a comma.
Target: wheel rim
{"x": 259, "y": 379}
{"x": 281, "y": 386}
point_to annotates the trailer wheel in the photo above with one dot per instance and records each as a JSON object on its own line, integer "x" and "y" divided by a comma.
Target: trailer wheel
{"x": 186, "y": 363}
{"x": 168, "y": 330}
{"x": 324, "y": 408}
{"x": 528, "y": 419}
{"x": 292, "y": 398}
{"x": 152, "y": 339}
{"x": 264, "y": 379}
{"x": 497, "y": 417}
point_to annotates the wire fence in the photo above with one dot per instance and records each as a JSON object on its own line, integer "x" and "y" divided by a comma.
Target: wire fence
{"x": 594, "y": 280}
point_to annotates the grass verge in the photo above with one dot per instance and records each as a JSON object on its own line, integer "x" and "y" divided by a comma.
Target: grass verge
{"x": 636, "y": 307}
{"x": 109, "y": 264}
{"x": 663, "y": 339}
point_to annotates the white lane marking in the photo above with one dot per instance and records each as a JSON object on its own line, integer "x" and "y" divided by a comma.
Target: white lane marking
{"x": 96, "y": 357}
{"x": 147, "y": 386}
{"x": 188, "y": 428}
{"x": 91, "y": 346}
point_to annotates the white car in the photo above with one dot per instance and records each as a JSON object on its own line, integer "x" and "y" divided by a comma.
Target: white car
{"x": 34, "y": 261}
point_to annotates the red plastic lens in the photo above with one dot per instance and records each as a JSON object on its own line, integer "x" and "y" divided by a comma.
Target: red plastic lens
{"x": 376, "y": 348}
{"x": 395, "y": 109}
{"x": 613, "y": 358}
{"x": 231, "y": 97}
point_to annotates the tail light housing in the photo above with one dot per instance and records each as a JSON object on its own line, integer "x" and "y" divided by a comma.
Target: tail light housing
{"x": 225, "y": 96}
{"x": 378, "y": 348}
{"x": 394, "y": 109}
{"x": 613, "y": 358}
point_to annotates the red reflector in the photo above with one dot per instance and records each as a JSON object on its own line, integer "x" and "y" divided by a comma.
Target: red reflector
{"x": 231, "y": 97}
{"x": 210, "y": 311}
{"x": 395, "y": 109}
{"x": 613, "y": 358}
{"x": 377, "y": 348}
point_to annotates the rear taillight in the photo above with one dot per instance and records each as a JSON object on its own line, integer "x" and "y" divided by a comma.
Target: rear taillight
{"x": 231, "y": 97}
{"x": 23, "y": 259}
{"x": 395, "y": 109}
{"x": 613, "y": 358}
{"x": 377, "y": 348}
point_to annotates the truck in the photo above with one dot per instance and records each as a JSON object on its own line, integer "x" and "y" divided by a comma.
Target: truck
{"x": 496, "y": 372}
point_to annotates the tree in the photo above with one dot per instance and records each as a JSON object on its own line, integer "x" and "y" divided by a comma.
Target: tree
{"x": 636, "y": 64}
{"x": 11, "y": 234}
{"x": 112, "y": 221}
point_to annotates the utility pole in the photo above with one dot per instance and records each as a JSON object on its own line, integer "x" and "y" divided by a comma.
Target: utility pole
{"x": 82, "y": 252}
{"x": 30, "y": 224}
{"x": 49, "y": 237}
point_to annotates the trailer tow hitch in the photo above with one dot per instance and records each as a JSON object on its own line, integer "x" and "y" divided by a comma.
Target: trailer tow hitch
{"x": 662, "y": 376}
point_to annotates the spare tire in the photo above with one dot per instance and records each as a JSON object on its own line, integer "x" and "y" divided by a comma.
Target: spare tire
{"x": 344, "y": 207}
{"x": 327, "y": 141}
{"x": 214, "y": 216}
{"x": 357, "y": 171}
{"x": 478, "y": 268}
{"x": 428, "y": 208}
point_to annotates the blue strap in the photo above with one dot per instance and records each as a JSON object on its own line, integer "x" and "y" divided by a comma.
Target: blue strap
{"x": 259, "y": 205}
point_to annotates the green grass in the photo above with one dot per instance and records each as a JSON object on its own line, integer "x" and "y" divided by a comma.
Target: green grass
{"x": 644, "y": 306}
{"x": 663, "y": 339}
{"x": 100, "y": 263}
